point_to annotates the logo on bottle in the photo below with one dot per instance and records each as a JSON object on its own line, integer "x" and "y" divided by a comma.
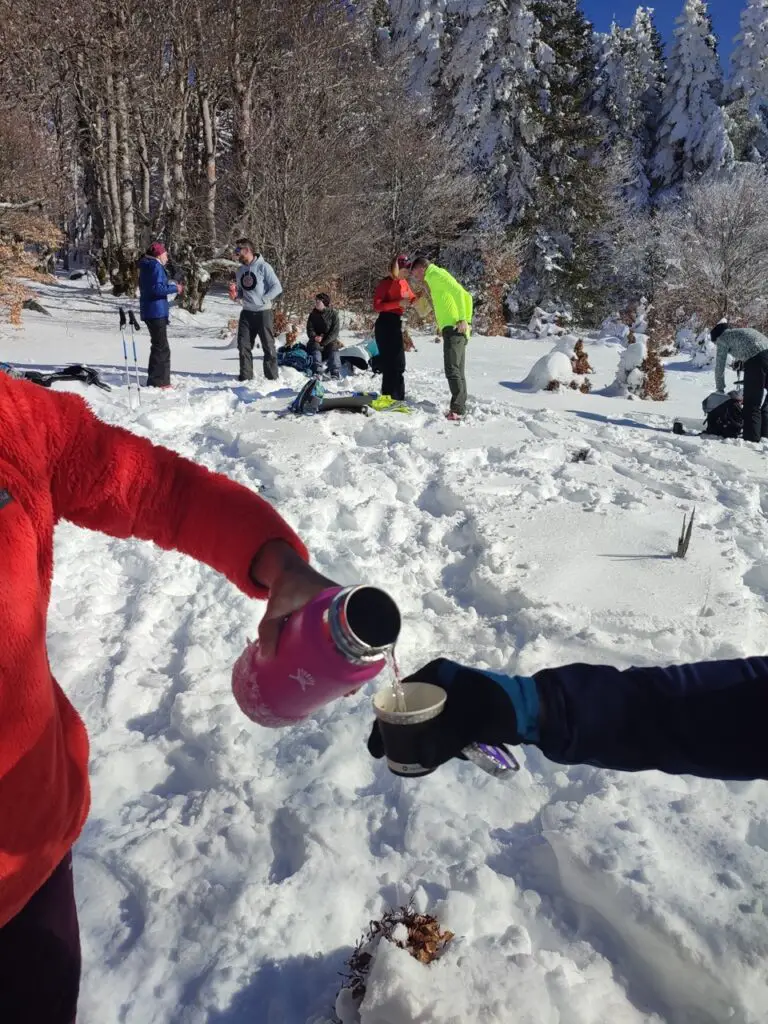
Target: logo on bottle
{"x": 303, "y": 678}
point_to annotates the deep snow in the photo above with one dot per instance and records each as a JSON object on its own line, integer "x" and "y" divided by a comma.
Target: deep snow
{"x": 227, "y": 871}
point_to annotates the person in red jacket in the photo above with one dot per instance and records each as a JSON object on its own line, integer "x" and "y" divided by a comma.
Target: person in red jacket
{"x": 58, "y": 461}
{"x": 391, "y": 299}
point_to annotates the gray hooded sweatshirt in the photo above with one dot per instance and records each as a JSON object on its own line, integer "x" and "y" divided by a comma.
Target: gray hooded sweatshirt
{"x": 258, "y": 285}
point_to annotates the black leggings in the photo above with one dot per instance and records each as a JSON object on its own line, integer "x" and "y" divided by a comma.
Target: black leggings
{"x": 755, "y": 405}
{"x": 159, "y": 369}
{"x": 389, "y": 339}
{"x": 40, "y": 956}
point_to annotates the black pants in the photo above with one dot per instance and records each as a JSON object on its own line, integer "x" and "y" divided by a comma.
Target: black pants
{"x": 755, "y": 400}
{"x": 255, "y": 324}
{"x": 389, "y": 339}
{"x": 40, "y": 956}
{"x": 159, "y": 369}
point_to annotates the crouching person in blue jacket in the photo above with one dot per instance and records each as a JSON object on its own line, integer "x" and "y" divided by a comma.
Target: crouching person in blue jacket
{"x": 154, "y": 289}
{"x": 707, "y": 719}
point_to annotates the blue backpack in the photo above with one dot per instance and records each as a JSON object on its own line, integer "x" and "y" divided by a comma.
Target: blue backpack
{"x": 296, "y": 357}
{"x": 309, "y": 399}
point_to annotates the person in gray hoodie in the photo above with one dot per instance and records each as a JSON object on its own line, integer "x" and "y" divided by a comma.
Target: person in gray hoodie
{"x": 257, "y": 286}
{"x": 750, "y": 348}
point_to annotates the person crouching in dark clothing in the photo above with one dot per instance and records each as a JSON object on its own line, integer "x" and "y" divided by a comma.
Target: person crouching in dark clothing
{"x": 323, "y": 333}
{"x": 750, "y": 348}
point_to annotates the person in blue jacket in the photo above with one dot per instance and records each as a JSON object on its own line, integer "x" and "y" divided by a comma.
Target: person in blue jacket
{"x": 154, "y": 289}
{"x": 706, "y": 719}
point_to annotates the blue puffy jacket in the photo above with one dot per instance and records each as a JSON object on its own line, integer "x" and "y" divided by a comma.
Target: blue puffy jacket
{"x": 706, "y": 719}
{"x": 154, "y": 289}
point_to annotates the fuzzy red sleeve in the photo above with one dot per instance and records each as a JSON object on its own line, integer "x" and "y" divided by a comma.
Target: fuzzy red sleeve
{"x": 108, "y": 479}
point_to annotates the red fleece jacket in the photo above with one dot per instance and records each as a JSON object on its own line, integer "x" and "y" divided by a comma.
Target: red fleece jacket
{"x": 58, "y": 461}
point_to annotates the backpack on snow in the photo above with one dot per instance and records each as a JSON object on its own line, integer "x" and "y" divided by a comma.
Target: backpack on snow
{"x": 724, "y": 416}
{"x": 309, "y": 399}
{"x": 296, "y": 357}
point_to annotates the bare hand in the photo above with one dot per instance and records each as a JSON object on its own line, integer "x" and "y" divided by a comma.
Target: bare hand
{"x": 291, "y": 583}
{"x": 462, "y": 327}
{"x": 180, "y": 289}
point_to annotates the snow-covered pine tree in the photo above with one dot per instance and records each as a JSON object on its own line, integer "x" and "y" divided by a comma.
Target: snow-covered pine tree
{"x": 572, "y": 201}
{"x": 693, "y": 136}
{"x": 612, "y": 100}
{"x": 748, "y": 88}
{"x": 488, "y": 91}
{"x": 645, "y": 58}
{"x": 627, "y": 98}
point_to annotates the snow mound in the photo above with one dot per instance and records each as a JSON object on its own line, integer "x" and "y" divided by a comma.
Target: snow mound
{"x": 555, "y": 366}
{"x": 629, "y": 376}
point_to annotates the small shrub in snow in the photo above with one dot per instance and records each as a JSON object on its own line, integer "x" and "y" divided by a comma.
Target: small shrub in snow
{"x": 565, "y": 366}
{"x": 629, "y": 375}
{"x": 291, "y": 335}
{"x": 653, "y": 387}
{"x": 640, "y": 372}
{"x": 580, "y": 360}
{"x": 418, "y": 934}
{"x": 280, "y": 321}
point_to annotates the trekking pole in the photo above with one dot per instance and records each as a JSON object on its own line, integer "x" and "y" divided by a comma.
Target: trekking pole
{"x": 135, "y": 326}
{"x": 123, "y": 322}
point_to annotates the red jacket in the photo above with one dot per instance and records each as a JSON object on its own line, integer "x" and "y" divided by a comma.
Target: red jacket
{"x": 390, "y": 293}
{"x": 58, "y": 461}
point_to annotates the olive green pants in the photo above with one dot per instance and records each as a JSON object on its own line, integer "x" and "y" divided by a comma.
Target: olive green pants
{"x": 454, "y": 357}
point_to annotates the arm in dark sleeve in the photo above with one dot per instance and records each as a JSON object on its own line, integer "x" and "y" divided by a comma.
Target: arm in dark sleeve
{"x": 332, "y": 334}
{"x": 707, "y": 719}
{"x": 310, "y": 328}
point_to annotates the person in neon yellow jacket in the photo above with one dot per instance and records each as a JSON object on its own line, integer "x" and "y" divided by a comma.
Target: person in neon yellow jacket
{"x": 453, "y": 312}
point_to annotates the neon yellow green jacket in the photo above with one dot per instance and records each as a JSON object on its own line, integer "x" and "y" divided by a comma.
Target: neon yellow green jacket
{"x": 450, "y": 301}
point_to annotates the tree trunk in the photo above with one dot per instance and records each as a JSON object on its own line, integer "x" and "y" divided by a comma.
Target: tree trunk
{"x": 209, "y": 142}
{"x": 113, "y": 220}
{"x": 127, "y": 215}
{"x": 243, "y": 77}
{"x": 87, "y": 128}
{"x": 146, "y": 181}
{"x": 207, "y": 116}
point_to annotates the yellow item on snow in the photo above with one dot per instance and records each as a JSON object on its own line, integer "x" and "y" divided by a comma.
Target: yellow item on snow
{"x": 384, "y": 403}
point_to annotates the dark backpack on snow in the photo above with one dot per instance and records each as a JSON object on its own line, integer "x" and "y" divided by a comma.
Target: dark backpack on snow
{"x": 727, "y": 420}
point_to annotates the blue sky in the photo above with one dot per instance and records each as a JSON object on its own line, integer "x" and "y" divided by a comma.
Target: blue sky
{"x": 725, "y": 16}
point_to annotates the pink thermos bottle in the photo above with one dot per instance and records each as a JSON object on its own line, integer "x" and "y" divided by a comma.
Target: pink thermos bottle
{"x": 329, "y": 648}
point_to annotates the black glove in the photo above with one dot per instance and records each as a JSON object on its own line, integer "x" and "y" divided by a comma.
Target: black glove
{"x": 481, "y": 708}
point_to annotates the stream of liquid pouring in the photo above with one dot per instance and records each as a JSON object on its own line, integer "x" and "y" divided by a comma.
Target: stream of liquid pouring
{"x": 397, "y": 687}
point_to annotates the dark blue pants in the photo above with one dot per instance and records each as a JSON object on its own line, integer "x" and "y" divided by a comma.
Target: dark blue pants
{"x": 328, "y": 354}
{"x": 40, "y": 956}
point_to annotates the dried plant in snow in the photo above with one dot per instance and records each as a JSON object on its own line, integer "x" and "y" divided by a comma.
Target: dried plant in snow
{"x": 418, "y": 934}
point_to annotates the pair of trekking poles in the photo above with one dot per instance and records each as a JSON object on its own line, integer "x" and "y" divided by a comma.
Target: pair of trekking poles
{"x": 131, "y": 384}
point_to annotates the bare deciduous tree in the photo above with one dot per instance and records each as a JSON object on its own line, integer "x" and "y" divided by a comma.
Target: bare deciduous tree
{"x": 716, "y": 241}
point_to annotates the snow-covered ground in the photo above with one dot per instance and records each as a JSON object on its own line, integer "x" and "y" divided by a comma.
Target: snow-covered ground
{"x": 227, "y": 871}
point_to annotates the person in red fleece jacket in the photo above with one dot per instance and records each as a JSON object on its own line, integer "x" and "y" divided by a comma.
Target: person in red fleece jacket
{"x": 391, "y": 299}
{"x": 58, "y": 461}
